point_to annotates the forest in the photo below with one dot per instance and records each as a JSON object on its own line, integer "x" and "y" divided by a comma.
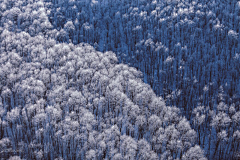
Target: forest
{"x": 120, "y": 79}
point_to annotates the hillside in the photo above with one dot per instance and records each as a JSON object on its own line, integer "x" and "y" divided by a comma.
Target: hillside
{"x": 66, "y": 101}
{"x": 104, "y": 79}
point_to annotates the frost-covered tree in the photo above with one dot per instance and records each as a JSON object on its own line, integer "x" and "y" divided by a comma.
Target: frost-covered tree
{"x": 60, "y": 98}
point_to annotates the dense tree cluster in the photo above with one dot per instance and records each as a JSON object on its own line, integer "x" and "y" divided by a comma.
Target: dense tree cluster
{"x": 66, "y": 101}
{"x": 74, "y": 102}
{"x": 167, "y": 40}
{"x": 61, "y": 98}
{"x": 187, "y": 50}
